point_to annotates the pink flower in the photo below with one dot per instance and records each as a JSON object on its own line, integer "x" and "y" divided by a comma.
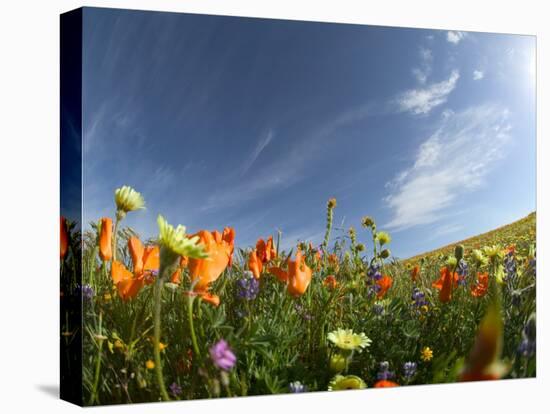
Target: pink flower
{"x": 222, "y": 355}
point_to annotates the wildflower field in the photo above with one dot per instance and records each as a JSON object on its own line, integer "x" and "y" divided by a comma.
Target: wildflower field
{"x": 187, "y": 316}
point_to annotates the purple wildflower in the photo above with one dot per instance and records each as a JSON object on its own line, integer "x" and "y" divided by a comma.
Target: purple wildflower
{"x": 528, "y": 345}
{"x": 409, "y": 369}
{"x": 175, "y": 389}
{"x": 87, "y": 292}
{"x": 419, "y": 298}
{"x": 384, "y": 373}
{"x": 378, "y": 308}
{"x": 462, "y": 271}
{"x": 248, "y": 288}
{"x": 222, "y": 355}
{"x": 297, "y": 387}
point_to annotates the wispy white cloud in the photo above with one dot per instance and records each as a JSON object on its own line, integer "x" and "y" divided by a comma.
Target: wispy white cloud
{"x": 260, "y": 146}
{"x": 290, "y": 167}
{"x": 478, "y": 75}
{"x": 424, "y": 70}
{"x": 446, "y": 229}
{"x": 455, "y": 37}
{"x": 450, "y": 163}
{"x": 421, "y": 101}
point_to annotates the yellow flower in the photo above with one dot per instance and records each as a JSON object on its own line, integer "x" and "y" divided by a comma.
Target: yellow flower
{"x": 383, "y": 238}
{"x": 177, "y": 241}
{"x": 127, "y": 199}
{"x": 162, "y": 346}
{"x": 347, "y": 340}
{"x": 149, "y": 364}
{"x": 367, "y": 221}
{"x": 338, "y": 363}
{"x": 349, "y": 382}
{"x": 451, "y": 262}
{"x": 426, "y": 354}
{"x": 479, "y": 258}
{"x": 493, "y": 252}
{"x": 107, "y": 297}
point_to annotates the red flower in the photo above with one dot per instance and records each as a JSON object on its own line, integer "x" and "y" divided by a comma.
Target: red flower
{"x": 481, "y": 286}
{"x": 64, "y": 238}
{"x": 445, "y": 284}
{"x": 384, "y": 283}
{"x": 385, "y": 384}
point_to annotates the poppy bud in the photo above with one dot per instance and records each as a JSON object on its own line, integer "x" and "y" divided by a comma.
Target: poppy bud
{"x": 459, "y": 252}
{"x": 384, "y": 254}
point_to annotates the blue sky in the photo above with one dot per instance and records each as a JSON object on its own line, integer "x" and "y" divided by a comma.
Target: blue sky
{"x": 255, "y": 123}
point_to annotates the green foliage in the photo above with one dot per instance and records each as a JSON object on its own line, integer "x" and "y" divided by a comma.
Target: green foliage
{"x": 279, "y": 339}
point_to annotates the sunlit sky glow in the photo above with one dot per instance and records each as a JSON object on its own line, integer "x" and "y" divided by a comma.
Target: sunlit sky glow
{"x": 255, "y": 123}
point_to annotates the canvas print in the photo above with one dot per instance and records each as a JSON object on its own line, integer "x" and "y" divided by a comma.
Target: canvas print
{"x": 258, "y": 206}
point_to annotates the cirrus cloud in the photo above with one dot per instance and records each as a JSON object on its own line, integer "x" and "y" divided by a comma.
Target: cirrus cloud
{"x": 421, "y": 101}
{"x": 453, "y": 161}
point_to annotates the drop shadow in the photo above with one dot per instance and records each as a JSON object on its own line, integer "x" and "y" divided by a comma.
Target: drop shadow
{"x": 51, "y": 390}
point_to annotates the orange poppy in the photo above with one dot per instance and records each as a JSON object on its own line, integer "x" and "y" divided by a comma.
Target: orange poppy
{"x": 445, "y": 284}
{"x": 385, "y": 384}
{"x": 330, "y": 282}
{"x": 105, "y": 239}
{"x": 228, "y": 236}
{"x": 384, "y": 283}
{"x": 255, "y": 264}
{"x": 127, "y": 285}
{"x": 210, "y": 298}
{"x": 483, "y": 362}
{"x": 176, "y": 276}
{"x": 265, "y": 250}
{"x": 281, "y": 274}
{"x": 333, "y": 262}
{"x": 299, "y": 275}
{"x": 145, "y": 261}
{"x": 64, "y": 238}
{"x": 203, "y": 272}
{"x": 481, "y": 286}
{"x": 415, "y": 272}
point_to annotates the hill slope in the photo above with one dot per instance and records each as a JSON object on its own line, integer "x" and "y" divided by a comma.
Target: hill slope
{"x": 523, "y": 229}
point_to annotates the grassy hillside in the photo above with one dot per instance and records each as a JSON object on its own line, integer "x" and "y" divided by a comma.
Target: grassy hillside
{"x": 520, "y": 231}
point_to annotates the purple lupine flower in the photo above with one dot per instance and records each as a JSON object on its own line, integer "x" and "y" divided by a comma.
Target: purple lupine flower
{"x": 373, "y": 272}
{"x": 301, "y": 311}
{"x": 384, "y": 373}
{"x": 419, "y": 298}
{"x": 222, "y": 355}
{"x": 510, "y": 267}
{"x": 175, "y": 389}
{"x": 409, "y": 369}
{"x": 527, "y": 348}
{"x": 297, "y": 387}
{"x": 87, "y": 292}
{"x": 378, "y": 308}
{"x": 462, "y": 271}
{"x": 528, "y": 345}
{"x": 248, "y": 288}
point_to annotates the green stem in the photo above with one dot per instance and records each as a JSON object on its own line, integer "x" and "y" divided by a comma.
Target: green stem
{"x": 156, "y": 333}
{"x": 190, "y": 301}
{"x": 119, "y": 216}
{"x": 97, "y": 363}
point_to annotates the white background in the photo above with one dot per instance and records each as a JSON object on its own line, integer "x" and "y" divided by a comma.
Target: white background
{"x": 29, "y": 193}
